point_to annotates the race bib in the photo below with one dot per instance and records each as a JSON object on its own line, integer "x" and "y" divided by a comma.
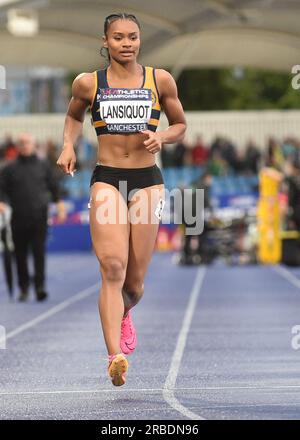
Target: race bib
{"x": 125, "y": 110}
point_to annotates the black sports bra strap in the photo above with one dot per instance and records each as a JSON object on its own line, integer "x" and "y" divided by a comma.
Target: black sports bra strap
{"x": 101, "y": 79}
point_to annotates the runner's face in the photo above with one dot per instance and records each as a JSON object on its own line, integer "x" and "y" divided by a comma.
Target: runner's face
{"x": 123, "y": 40}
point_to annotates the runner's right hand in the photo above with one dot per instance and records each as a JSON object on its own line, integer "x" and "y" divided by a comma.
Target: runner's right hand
{"x": 67, "y": 160}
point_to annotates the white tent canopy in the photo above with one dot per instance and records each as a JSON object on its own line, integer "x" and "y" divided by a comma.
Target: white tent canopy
{"x": 175, "y": 33}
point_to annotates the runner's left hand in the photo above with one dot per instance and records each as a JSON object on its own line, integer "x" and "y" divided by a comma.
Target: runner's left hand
{"x": 153, "y": 143}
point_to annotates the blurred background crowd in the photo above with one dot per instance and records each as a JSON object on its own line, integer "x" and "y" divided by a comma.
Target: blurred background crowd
{"x": 221, "y": 157}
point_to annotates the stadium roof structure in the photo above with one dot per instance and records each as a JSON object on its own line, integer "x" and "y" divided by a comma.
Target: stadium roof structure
{"x": 175, "y": 33}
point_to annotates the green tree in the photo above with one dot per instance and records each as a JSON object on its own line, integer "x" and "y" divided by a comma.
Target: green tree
{"x": 236, "y": 89}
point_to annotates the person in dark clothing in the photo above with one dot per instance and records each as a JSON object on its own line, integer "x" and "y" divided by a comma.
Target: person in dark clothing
{"x": 292, "y": 181}
{"x": 166, "y": 156}
{"x": 27, "y": 185}
{"x": 252, "y": 158}
{"x": 200, "y": 254}
{"x": 179, "y": 154}
{"x": 228, "y": 153}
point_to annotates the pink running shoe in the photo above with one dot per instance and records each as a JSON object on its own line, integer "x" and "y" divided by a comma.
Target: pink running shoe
{"x": 128, "y": 340}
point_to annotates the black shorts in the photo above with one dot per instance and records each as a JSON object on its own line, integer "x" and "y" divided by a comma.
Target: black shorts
{"x": 135, "y": 178}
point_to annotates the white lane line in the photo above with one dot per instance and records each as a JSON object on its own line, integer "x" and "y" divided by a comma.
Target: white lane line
{"x": 287, "y": 275}
{"x": 147, "y": 390}
{"x": 42, "y": 317}
{"x": 99, "y": 391}
{"x": 169, "y": 386}
{"x": 243, "y": 387}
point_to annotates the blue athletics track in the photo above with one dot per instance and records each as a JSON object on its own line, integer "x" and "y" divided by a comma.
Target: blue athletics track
{"x": 214, "y": 343}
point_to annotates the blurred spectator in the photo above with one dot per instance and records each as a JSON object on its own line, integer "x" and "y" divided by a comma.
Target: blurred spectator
{"x": 202, "y": 252}
{"x": 179, "y": 154}
{"x": 224, "y": 149}
{"x": 216, "y": 165}
{"x": 216, "y": 147}
{"x": 240, "y": 165}
{"x": 166, "y": 155}
{"x": 26, "y": 184}
{"x": 9, "y": 150}
{"x": 199, "y": 152}
{"x": 292, "y": 179}
{"x": 205, "y": 182}
{"x": 252, "y": 157}
{"x": 228, "y": 153}
{"x": 289, "y": 148}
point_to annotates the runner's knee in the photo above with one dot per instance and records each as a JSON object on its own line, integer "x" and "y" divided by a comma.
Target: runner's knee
{"x": 113, "y": 269}
{"x": 134, "y": 287}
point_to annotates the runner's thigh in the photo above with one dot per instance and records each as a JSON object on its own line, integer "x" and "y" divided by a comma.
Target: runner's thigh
{"x": 143, "y": 235}
{"x": 109, "y": 223}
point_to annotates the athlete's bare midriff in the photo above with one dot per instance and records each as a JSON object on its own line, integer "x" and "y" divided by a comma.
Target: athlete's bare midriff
{"x": 124, "y": 151}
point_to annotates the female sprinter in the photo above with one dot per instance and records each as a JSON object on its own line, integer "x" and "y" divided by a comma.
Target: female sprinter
{"x": 125, "y": 101}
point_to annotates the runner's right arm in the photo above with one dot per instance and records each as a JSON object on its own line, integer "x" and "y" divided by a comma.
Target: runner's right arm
{"x": 81, "y": 99}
